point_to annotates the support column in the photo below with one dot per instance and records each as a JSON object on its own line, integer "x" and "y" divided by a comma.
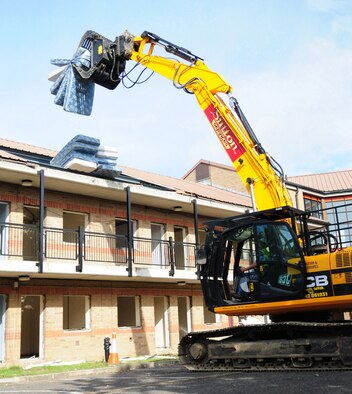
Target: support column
{"x": 129, "y": 232}
{"x": 41, "y": 222}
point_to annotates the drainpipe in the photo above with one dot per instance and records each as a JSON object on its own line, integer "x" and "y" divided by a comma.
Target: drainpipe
{"x": 41, "y": 222}
{"x": 196, "y": 232}
{"x": 129, "y": 232}
{"x": 195, "y": 217}
{"x": 79, "y": 267}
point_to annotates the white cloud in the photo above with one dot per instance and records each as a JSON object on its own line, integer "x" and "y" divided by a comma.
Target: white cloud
{"x": 302, "y": 113}
{"x": 342, "y": 24}
{"x": 328, "y": 5}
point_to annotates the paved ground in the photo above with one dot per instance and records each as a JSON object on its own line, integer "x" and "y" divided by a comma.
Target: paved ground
{"x": 174, "y": 379}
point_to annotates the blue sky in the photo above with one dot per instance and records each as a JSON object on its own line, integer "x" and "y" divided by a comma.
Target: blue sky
{"x": 289, "y": 63}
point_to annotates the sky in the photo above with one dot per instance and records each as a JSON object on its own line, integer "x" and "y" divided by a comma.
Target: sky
{"x": 289, "y": 63}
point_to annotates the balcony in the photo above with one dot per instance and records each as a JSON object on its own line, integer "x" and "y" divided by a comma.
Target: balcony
{"x": 78, "y": 252}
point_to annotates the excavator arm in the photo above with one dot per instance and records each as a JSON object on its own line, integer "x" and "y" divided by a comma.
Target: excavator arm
{"x": 260, "y": 174}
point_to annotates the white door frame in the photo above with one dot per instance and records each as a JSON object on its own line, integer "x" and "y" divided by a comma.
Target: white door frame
{"x": 162, "y": 329}
{"x": 158, "y": 252}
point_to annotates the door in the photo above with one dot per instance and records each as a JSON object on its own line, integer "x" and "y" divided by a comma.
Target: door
{"x": 280, "y": 263}
{"x": 184, "y": 316}
{"x": 2, "y": 326}
{"x": 31, "y": 322}
{"x": 158, "y": 250}
{"x": 161, "y": 321}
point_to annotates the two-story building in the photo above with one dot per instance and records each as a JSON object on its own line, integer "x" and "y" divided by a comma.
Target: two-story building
{"x": 84, "y": 255}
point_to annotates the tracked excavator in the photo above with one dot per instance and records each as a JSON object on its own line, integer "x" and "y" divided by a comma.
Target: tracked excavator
{"x": 275, "y": 261}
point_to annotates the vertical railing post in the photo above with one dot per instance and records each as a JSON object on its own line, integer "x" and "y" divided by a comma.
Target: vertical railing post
{"x": 79, "y": 267}
{"x": 41, "y": 222}
{"x": 129, "y": 232}
{"x": 196, "y": 232}
{"x": 172, "y": 258}
{"x": 195, "y": 218}
{"x": 338, "y": 227}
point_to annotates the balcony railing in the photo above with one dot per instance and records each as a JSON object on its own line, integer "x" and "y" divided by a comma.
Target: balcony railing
{"x": 22, "y": 240}
{"x": 19, "y": 240}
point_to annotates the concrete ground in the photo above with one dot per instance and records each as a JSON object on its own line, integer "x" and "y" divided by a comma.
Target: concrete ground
{"x": 172, "y": 379}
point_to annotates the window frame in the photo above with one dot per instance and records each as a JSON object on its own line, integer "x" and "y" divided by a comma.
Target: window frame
{"x": 137, "y": 311}
{"x": 87, "y": 313}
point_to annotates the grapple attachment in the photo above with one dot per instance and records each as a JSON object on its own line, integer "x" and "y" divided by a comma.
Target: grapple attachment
{"x": 107, "y": 58}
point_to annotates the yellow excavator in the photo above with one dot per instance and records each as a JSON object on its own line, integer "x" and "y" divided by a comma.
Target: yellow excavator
{"x": 276, "y": 261}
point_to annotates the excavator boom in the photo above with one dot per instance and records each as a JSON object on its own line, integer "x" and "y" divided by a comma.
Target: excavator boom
{"x": 260, "y": 174}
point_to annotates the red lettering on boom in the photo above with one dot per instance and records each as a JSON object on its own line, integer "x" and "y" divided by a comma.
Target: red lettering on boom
{"x": 227, "y": 138}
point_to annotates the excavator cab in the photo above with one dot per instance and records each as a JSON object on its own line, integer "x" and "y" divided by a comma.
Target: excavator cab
{"x": 252, "y": 258}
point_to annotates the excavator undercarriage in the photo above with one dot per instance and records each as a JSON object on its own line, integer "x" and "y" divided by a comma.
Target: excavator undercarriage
{"x": 270, "y": 347}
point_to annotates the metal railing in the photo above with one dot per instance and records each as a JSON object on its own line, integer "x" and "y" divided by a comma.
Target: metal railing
{"x": 105, "y": 247}
{"x": 19, "y": 240}
{"x": 337, "y": 230}
{"x": 22, "y": 240}
{"x": 60, "y": 244}
{"x": 147, "y": 251}
{"x": 184, "y": 254}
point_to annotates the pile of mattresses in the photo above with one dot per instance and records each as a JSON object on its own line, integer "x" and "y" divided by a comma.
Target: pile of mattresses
{"x": 85, "y": 154}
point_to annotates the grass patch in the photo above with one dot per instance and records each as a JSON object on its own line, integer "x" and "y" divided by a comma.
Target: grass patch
{"x": 15, "y": 371}
{"x": 47, "y": 369}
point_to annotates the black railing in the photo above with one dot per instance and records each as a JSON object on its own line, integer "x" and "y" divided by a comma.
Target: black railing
{"x": 105, "y": 247}
{"x": 60, "y": 244}
{"x": 22, "y": 240}
{"x": 19, "y": 240}
{"x": 184, "y": 254}
{"x": 337, "y": 228}
{"x": 147, "y": 251}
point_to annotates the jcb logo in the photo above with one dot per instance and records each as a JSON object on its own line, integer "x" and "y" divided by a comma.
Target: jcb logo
{"x": 315, "y": 281}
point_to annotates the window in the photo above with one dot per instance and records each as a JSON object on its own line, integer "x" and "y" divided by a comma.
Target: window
{"x": 121, "y": 231}
{"x": 71, "y": 222}
{"x": 30, "y": 232}
{"x": 128, "y": 311}
{"x": 313, "y": 204}
{"x": 210, "y": 317}
{"x": 76, "y": 312}
{"x": 339, "y": 214}
{"x": 181, "y": 251}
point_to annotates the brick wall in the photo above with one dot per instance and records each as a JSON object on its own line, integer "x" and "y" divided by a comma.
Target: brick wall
{"x": 66, "y": 345}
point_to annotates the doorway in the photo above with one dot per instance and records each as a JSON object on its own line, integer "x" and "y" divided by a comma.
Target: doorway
{"x": 158, "y": 252}
{"x": 161, "y": 320}
{"x": 184, "y": 316}
{"x": 30, "y": 232}
{"x": 31, "y": 310}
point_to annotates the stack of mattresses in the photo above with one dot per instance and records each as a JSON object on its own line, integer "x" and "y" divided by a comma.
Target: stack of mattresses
{"x": 85, "y": 154}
